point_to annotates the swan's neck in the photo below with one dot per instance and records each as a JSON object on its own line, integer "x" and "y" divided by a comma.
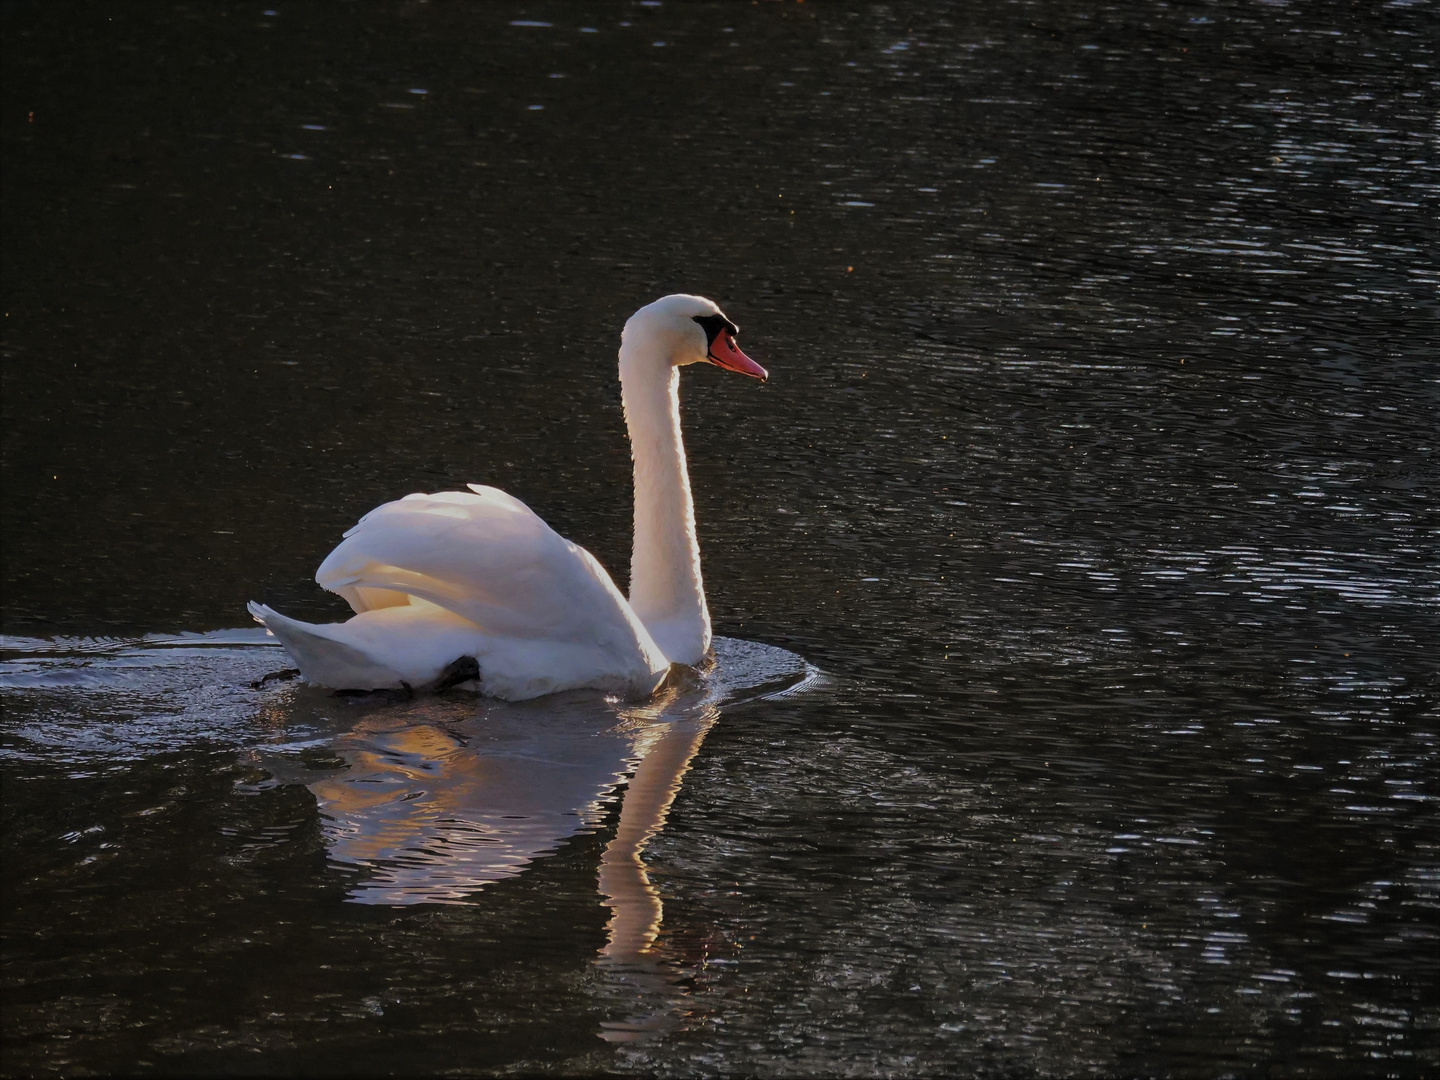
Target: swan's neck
{"x": 666, "y": 591}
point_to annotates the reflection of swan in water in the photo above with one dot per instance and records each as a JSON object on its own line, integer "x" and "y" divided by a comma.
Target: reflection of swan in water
{"x": 438, "y": 799}
{"x": 434, "y": 803}
{"x": 429, "y": 800}
{"x": 441, "y": 798}
{"x": 638, "y": 978}
{"x": 623, "y": 880}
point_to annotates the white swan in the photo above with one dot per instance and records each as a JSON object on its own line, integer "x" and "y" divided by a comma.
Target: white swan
{"x": 447, "y": 583}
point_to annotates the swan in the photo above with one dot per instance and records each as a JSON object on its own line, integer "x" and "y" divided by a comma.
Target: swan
{"x": 473, "y": 585}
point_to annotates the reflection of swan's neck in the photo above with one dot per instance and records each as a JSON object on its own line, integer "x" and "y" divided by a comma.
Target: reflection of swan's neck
{"x": 666, "y": 591}
{"x": 643, "y": 809}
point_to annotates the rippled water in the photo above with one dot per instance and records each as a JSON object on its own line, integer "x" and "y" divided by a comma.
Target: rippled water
{"x": 1096, "y": 471}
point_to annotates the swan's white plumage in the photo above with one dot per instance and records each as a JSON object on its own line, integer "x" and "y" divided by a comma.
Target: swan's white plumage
{"x": 471, "y": 573}
{"x": 487, "y": 557}
{"x": 433, "y": 578}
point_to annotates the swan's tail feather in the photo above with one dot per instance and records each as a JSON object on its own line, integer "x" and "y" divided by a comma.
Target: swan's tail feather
{"x": 259, "y": 612}
{"x": 320, "y": 657}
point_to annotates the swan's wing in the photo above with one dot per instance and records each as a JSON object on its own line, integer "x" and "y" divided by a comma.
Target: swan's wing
{"x": 485, "y": 556}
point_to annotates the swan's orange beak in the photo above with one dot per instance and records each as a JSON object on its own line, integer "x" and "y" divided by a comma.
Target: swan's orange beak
{"x": 726, "y": 354}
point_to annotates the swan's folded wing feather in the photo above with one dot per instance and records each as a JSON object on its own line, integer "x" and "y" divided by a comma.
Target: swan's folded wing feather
{"x": 483, "y": 555}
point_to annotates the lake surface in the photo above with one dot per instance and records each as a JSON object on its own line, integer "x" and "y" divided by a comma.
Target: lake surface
{"x": 1076, "y": 712}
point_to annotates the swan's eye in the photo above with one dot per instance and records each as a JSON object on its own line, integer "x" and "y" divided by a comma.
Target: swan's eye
{"x": 713, "y": 325}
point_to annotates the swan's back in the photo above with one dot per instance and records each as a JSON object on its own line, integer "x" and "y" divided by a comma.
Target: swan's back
{"x": 485, "y": 556}
{"x": 537, "y": 600}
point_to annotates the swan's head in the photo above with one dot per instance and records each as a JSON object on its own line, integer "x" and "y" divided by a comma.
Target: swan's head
{"x": 689, "y": 330}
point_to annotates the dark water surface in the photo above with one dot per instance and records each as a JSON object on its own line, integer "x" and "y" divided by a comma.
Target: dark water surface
{"x": 1097, "y": 473}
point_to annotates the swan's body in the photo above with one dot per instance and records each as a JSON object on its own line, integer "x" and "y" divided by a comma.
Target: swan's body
{"x": 476, "y": 574}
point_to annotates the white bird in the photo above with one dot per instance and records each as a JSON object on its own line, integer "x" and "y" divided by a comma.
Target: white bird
{"x": 472, "y": 584}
